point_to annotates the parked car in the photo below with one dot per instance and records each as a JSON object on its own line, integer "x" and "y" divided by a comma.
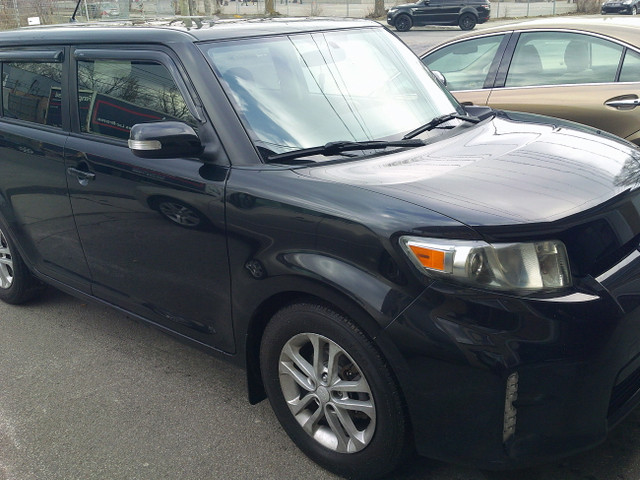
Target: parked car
{"x": 584, "y": 70}
{"x": 303, "y": 198}
{"x": 628, "y": 7}
{"x": 465, "y": 13}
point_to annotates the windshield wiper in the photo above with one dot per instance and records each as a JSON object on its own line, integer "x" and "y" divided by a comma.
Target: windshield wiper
{"x": 335, "y": 148}
{"x": 439, "y": 121}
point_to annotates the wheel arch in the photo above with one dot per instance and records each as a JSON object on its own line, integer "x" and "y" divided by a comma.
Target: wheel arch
{"x": 153, "y": 201}
{"x": 469, "y": 9}
{"x": 330, "y": 298}
{"x": 265, "y": 311}
{"x": 9, "y": 224}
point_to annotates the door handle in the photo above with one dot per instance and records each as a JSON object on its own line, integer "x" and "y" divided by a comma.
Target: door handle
{"x": 82, "y": 175}
{"x": 623, "y": 104}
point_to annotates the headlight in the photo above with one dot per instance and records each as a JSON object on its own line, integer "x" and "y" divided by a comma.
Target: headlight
{"x": 499, "y": 266}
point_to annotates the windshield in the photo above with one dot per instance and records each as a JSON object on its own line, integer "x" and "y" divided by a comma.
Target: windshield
{"x": 304, "y": 90}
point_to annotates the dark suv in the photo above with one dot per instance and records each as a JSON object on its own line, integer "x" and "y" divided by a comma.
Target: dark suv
{"x": 628, "y": 7}
{"x": 464, "y": 13}
{"x": 304, "y": 199}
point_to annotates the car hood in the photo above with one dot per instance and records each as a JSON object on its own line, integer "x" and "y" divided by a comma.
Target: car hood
{"x": 507, "y": 170}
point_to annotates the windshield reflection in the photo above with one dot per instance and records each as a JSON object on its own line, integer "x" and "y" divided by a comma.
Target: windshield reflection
{"x": 306, "y": 90}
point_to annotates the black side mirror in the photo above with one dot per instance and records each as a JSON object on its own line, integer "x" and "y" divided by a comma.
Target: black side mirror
{"x": 164, "y": 140}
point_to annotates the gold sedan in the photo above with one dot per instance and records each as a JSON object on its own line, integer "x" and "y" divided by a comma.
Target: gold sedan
{"x": 584, "y": 70}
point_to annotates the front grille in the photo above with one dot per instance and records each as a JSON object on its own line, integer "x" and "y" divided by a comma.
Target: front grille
{"x": 623, "y": 392}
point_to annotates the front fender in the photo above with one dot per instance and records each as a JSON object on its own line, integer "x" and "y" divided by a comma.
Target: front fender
{"x": 330, "y": 280}
{"x": 318, "y": 281}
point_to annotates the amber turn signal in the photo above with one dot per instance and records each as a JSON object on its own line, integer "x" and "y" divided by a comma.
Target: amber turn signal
{"x": 429, "y": 257}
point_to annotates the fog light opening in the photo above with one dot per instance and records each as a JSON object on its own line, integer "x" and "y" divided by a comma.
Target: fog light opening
{"x": 509, "y": 426}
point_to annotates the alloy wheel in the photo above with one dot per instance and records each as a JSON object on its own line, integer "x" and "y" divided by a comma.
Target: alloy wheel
{"x": 327, "y": 393}
{"x": 467, "y": 21}
{"x": 403, "y": 23}
{"x": 179, "y": 214}
{"x": 6, "y": 263}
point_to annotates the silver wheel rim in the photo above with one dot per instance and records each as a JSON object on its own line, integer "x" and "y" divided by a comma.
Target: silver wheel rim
{"x": 6, "y": 263}
{"x": 327, "y": 393}
{"x": 179, "y": 213}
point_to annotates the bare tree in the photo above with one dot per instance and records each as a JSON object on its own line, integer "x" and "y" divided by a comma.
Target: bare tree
{"x": 587, "y": 6}
{"x": 379, "y": 10}
{"x": 269, "y": 7}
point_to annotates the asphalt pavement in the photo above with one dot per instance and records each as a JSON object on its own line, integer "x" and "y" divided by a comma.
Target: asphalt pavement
{"x": 88, "y": 393}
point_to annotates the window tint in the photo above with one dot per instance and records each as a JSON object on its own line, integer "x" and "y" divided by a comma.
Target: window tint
{"x": 465, "y": 65}
{"x": 310, "y": 89}
{"x": 630, "y": 67}
{"x": 549, "y": 58}
{"x": 115, "y": 95}
{"x": 31, "y": 92}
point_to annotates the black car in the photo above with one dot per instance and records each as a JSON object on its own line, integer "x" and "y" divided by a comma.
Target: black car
{"x": 625, "y": 7}
{"x": 466, "y": 14}
{"x": 304, "y": 199}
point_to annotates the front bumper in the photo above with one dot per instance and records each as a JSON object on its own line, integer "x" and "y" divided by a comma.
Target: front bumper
{"x": 619, "y": 9}
{"x": 576, "y": 361}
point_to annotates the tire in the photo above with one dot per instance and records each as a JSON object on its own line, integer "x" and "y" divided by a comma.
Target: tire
{"x": 311, "y": 402}
{"x": 179, "y": 213}
{"x": 17, "y": 285}
{"x": 467, "y": 21}
{"x": 634, "y": 10}
{"x": 403, "y": 22}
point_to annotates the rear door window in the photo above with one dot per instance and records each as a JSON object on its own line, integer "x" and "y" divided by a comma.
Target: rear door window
{"x": 31, "y": 91}
{"x": 558, "y": 58}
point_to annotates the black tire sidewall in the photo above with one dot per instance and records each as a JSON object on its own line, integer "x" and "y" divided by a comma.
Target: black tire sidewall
{"x": 24, "y": 286}
{"x": 388, "y": 444}
{"x": 462, "y": 22}
{"x": 404, "y": 20}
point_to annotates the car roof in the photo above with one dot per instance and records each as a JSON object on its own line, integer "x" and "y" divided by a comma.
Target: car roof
{"x": 626, "y": 29}
{"x": 172, "y": 30}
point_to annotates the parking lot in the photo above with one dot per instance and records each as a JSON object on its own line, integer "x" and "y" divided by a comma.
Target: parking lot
{"x": 88, "y": 393}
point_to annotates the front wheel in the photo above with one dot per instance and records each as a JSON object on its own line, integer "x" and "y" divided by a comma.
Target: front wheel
{"x": 180, "y": 213}
{"x": 634, "y": 10}
{"x": 17, "y": 285}
{"x": 332, "y": 392}
{"x": 403, "y": 23}
{"x": 467, "y": 21}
